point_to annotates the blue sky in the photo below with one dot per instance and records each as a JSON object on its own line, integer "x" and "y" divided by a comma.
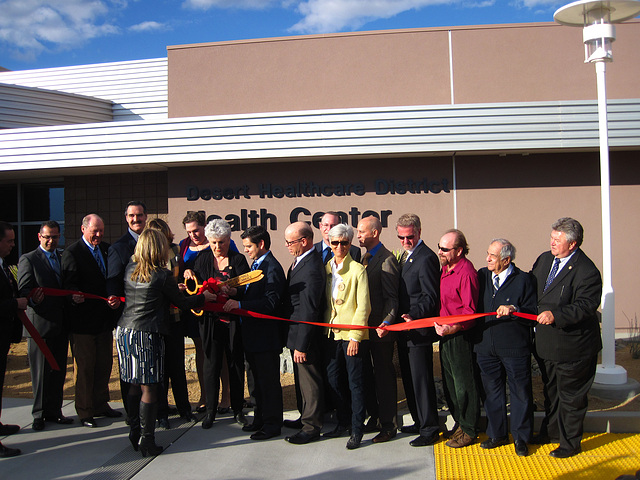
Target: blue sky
{"x": 55, "y": 33}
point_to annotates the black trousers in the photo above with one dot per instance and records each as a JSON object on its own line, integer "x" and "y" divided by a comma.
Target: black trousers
{"x": 267, "y": 389}
{"x": 405, "y": 372}
{"x": 495, "y": 372}
{"x": 219, "y": 338}
{"x": 380, "y": 384}
{"x": 421, "y": 362}
{"x": 344, "y": 369}
{"x": 567, "y": 388}
{"x": 48, "y": 384}
{"x": 174, "y": 371}
{"x": 4, "y": 351}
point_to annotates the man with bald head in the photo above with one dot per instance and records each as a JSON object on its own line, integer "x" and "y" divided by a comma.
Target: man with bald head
{"x": 304, "y": 300}
{"x": 84, "y": 268}
{"x": 383, "y": 274}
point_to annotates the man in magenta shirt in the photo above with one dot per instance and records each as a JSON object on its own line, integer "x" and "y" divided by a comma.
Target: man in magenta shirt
{"x": 458, "y": 296}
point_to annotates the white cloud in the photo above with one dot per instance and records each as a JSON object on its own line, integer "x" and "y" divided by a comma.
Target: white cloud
{"x": 322, "y": 16}
{"x": 29, "y": 27}
{"x": 149, "y": 26}
{"x": 239, "y": 4}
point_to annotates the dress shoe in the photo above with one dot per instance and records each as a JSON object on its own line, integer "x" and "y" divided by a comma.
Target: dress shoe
{"x": 201, "y": 408}
{"x": 295, "y": 424}
{"x": 336, "y": 432}
{"x": 8, "y": 429}
{"x": 252, "y": 427}
{"x": 38, "y": 424}
{"x": 110, "y": 413}
{"x": 208, "y": 420}
{"x": 462, "y": 440}
{"x": 354, "y": 441}
{"x": 188, "y": 416}
{"x": 240, "y": 419}
{"x": 88, "y": 422}
{"x": 423, "y": 441}
{"x": 561, "y": 452}
{"x": 490, "y": 443}
{"x": 262, "y": 435}
{"x": 302, "y": 438}
{"x": 384, "y": 436}
{"x": 173, "y": 410}
{"x": 521, "y": 448}
{"x": 371, "y": 426}
{"x": 412, "y": 429}
{"x": 224, "y": 410}
{"x": 6, "y": 452}
{"x": 164, "y": 423}
{"x": 60, "y": 420}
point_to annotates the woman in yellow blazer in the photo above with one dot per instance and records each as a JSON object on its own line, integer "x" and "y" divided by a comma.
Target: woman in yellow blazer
{"x": 347, "y": 294}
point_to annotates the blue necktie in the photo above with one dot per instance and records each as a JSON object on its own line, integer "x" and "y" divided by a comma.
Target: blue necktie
{"x": 552, "y": 274}
{"x": 98, "y": 257}
{"x": 54, "y": 264}
{"x": 496, "y": 282}
{"x": 327, "y": 253}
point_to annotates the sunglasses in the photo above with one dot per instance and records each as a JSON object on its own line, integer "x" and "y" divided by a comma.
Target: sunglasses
{"x": 408, "y": 237}
{"x": 343, "y": 243}
{"x": 445, "y": 250}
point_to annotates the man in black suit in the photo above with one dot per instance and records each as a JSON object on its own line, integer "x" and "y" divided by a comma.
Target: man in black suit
{"x": 419, "y": 298}
{"x": 84, "y": 268}
{"x": 118, "y": 258}
{"x": 41, "y": 268}
{"x": 568, "y": 333}
{"x": 304, "y": 300}
{"x": 262, "y": 337}
{"x": 10, "y": 326}
{"x": 328, "y": 221}
{"x": 383, "y": 274}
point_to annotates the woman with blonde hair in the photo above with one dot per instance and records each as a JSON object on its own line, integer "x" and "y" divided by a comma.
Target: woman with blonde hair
{"x": 150, "y": 289}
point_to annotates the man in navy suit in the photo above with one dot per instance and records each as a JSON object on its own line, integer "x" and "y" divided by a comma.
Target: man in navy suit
{"x": 84, "y": 268}
{"x": 10, "y": 326}
{"x": 117, "y": 259}
{"x": 262, "y": 337}
{"x": 568, "y": 334}
{"x": 328, "y": 221}
{"x": 419, "y": 298}
{"x": 41, "y": 268}
{"x": 304, "y": 301}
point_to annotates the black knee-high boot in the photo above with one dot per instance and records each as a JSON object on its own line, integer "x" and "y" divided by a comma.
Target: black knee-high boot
{"x": 133, "y": 419}
{"x": 148, "y": 413}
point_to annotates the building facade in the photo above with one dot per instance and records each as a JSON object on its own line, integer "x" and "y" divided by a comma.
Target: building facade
{"x": 490, "y": 129}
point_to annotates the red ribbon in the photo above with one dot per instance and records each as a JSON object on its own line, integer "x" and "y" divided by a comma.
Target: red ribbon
{"x": 413, "y": 324}
{"x": 57, "y": 292}
{"x": 35, "y": 336}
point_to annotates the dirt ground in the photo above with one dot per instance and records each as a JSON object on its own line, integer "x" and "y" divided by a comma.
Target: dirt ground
{"x": 18, "y": 381}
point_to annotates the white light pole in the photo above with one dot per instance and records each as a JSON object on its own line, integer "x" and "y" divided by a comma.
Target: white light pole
{"x": 597, "y": 19}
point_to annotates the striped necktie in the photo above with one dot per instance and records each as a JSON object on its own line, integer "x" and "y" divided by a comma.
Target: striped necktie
{"x": 552, "y": 274}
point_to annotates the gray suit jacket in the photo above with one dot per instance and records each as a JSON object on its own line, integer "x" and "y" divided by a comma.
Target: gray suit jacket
{"x": 383, "y": 274}
{"x": 35, "y": 270}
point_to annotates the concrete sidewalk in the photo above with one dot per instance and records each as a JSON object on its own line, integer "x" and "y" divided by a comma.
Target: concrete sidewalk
{"x": 223, "y": 452}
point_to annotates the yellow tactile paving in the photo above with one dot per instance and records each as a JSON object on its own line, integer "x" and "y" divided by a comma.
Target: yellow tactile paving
{"x": 604, "y": 456}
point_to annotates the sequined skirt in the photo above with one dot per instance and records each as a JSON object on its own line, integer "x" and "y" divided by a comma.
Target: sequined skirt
{"x": 141, "y": 356}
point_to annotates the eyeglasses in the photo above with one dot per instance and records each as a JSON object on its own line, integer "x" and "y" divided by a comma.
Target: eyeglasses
{"x": 288, "y": 244}
{"x": 50, "y": 237}
{"x": 328, "y": 225}
{"x": 445, "y": 250}
{"x": 408, "y": 237}
{"x": 344, "y": 243}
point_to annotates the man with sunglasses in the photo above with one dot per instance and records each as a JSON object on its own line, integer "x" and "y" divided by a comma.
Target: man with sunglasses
{"x": 419, "y": 298}
{"x": 458, "y": 296}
